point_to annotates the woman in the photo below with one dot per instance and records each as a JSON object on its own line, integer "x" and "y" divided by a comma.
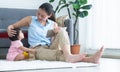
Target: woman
{"x": 56, "y": 47}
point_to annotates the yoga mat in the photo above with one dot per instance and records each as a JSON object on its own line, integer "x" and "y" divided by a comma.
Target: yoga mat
{"x": 39, "y": 65}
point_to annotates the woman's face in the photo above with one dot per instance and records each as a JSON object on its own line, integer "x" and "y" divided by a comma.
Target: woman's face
{"x": 42, "y": 15}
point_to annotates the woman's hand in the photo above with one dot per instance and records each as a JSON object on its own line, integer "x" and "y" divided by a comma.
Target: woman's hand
{"x": 10, "y": 31}
{"x": 57, "y": 29}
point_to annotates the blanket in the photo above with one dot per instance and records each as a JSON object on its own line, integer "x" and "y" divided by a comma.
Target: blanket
{"x": 40, "y": 65}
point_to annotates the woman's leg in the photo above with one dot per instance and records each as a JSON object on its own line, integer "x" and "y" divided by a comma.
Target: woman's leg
{"x": 94, "y": 58}
{"x": 71, "y": 57}
{"x": 61, "y": 42}
{"x": 45, "y": 53}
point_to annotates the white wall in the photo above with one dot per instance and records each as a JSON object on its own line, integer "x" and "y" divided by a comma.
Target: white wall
{"x": 28, "y": 4}
{"x": 82, "y": 27}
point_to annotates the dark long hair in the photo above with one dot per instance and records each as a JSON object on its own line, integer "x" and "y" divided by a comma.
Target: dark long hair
{"x": 15, "y": 37}
{"x": 49, "y": 10}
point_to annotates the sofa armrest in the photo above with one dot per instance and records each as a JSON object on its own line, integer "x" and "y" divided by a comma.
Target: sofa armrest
{"x": 69, "y": 24}
{"x": 3, "y": 33}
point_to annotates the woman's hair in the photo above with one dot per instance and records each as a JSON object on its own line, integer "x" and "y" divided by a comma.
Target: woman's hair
{"x": 15, "y": 37}
{"x": 49, "y": 10}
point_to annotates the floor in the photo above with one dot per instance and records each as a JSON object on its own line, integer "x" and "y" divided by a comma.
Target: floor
{"x": 106, "y": 65}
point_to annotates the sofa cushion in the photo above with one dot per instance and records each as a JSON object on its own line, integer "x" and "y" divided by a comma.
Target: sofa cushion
{"x": 70, "y": 29}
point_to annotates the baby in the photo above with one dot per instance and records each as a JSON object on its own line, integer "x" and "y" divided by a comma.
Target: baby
{"x": 17, "y": 51}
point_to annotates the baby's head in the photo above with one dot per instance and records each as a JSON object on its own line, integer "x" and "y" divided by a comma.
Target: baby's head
{"x": 18, "y": 36}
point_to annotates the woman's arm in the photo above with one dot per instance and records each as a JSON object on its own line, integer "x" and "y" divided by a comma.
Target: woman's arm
{"x": 56, "y": 30}
{"x": 23, "y": 22}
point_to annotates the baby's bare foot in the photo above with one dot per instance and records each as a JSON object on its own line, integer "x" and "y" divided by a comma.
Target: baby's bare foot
{"x": 96, "y": 57}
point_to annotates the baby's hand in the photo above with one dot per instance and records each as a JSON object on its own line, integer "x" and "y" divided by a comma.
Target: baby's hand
{"x": 57, "y": 29}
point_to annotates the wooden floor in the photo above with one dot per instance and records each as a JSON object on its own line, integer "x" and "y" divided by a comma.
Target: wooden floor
{"x": 106, "y": 65}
